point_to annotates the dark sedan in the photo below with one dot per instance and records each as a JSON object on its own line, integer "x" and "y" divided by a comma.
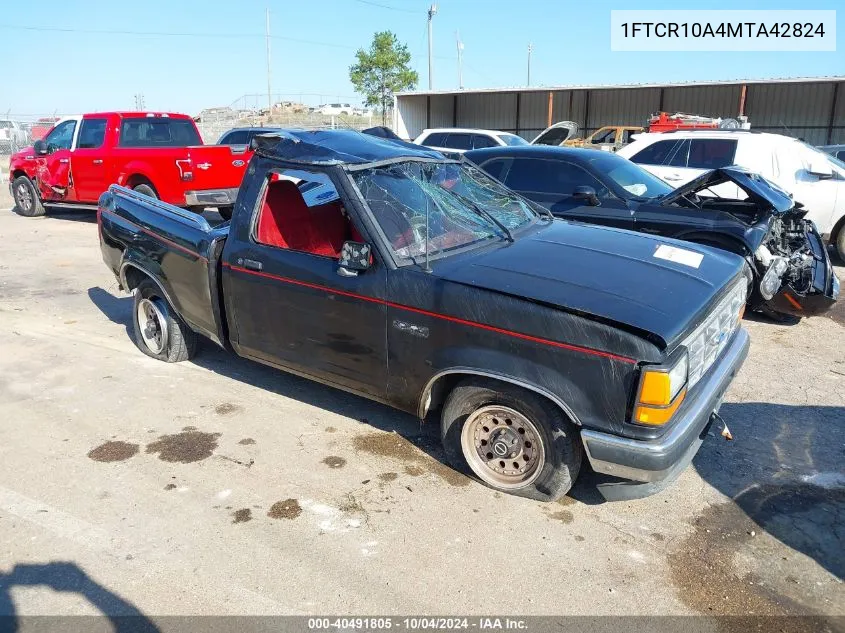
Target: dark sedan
{"x": 791, "y": 270}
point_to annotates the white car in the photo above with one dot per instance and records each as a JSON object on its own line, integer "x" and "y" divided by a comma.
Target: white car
{"x": 459, "y": 140}
{"x": 12, "y": 136}
{"x": 812, "y": 177}
{"x": 336, "y": 109}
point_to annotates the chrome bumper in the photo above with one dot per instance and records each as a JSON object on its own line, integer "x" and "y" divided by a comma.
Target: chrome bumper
{"x": 656, "y": 463}
{"x": 211, "y": 197}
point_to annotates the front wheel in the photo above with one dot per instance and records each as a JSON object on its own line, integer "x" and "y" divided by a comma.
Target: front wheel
{"x": 159, "y": 331}
{"x": 840, "y": 243}
{"x": 511, "y": 439}
{"x": 27, "y": 202}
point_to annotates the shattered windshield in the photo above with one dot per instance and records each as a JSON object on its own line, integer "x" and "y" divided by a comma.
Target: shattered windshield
{"x": 464, "y": 206}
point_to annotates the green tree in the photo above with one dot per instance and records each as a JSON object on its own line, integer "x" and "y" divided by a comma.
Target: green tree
{"x": 382, "y": 70}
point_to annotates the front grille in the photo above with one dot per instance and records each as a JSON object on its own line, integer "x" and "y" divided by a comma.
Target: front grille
{"x": 709, "y": 339}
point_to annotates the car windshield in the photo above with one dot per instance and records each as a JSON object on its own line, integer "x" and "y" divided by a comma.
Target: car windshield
{"x": 464, "y": 206}
{"x": 512, "y": 139}
{"x": 635, "y": 181}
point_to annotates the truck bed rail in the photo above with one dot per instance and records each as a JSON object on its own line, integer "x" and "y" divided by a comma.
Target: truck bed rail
{"x": 163, "y": 208}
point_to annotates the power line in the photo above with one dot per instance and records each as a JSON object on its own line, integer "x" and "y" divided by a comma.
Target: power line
{"x": 384, "y": 6}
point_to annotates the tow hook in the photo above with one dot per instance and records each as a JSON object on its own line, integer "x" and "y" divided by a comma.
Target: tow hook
{"x": 726, "y": 432}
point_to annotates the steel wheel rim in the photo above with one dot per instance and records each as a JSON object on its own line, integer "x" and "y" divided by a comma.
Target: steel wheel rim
{"x": 503, "y": 447}
{"x": 152, "y": 325}
{"x": 24, "y": 197}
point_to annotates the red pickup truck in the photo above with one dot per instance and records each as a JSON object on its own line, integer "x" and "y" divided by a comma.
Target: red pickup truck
{"x": 157, "y": 154}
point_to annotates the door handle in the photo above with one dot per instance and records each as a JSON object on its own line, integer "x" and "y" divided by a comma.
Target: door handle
{"x": 64, "y": 160}
{"x": 251, "y": 264}
{"x": 97, "y": 161}
{"x": 674, "y": 177}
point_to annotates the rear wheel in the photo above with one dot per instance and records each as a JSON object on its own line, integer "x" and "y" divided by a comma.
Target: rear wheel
{"x": 27, "y": 201}
{"x": 146, "y": 190}
{"x": 511, "y": 439}
{"x": 159, "y": 331}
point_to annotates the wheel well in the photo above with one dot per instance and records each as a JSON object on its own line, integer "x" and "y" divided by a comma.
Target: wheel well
{"x": 18, "y": 173}
{"x": 137, "y": 179}
{"x": 133, "y": 276}
{"x": 443, "y": 385}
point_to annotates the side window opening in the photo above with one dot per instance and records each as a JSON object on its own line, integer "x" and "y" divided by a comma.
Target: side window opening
{"x": 302, "y": 211}
{"x": 655, "y": 154}
{"x": 92, "y": 132}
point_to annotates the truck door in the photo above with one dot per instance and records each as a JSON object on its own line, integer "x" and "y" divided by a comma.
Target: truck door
{"x": 286, "y": 302}
{"x": 87, "y": 160}
{"x": 53, "y": 169}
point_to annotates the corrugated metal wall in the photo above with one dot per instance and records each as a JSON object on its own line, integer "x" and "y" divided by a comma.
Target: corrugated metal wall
{"x": 721, "y": 101}
{"x": 799, "y": 109}
{"x": 410, "y": 115}
{"x": 621, "y": 107}
{"x": 496, "y": 111}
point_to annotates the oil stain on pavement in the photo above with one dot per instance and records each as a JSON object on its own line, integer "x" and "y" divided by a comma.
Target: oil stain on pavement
{"x": 227, "y": 408}
{"x": 804, "y": 517}
{"x": 185, "y": 447}
{"x": 333, "y": 461}
{"x": 396, "y": 447}
{"x": 242, "y": 516}
{"x": 287, "y": 509}
{"x": 113, "y": 452}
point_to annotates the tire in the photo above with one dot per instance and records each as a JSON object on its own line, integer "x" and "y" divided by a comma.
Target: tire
{"x": 840, "y": 243}
{"x": 27, "y": 200}
{"x": 225, "y": 212}
{"x": 146, "y": 190}
{"x": 478, "y": 404}
{"x": 172, "y": 343}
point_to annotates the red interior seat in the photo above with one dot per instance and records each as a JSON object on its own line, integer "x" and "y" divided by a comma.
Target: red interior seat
{"x": 287, "y": 222}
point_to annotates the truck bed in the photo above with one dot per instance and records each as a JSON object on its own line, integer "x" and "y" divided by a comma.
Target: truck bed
{"x": 176, "y": 247}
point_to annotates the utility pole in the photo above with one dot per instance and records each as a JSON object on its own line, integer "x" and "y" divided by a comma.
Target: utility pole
{"x": 530, "y": 48}
{"x": 460, "y": 60}
{"x": 269, "y": 93}
{"x": 431, "y": 11}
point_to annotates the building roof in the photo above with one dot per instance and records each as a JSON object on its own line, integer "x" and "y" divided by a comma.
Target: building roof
{"x": 336, "y": 147}
{"x": 680, "y": 84}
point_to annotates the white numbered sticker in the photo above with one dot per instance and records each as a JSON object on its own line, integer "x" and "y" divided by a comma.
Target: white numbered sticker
{"x": 679, "y": 255}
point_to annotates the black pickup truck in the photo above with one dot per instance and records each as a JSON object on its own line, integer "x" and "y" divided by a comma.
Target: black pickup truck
{"x": 381, "y": 268}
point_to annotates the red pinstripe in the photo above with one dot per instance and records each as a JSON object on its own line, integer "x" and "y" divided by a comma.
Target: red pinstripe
{"x": 444, "y": 317}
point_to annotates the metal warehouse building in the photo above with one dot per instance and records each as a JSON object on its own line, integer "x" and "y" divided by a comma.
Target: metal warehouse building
{"x": 809, "y": 108}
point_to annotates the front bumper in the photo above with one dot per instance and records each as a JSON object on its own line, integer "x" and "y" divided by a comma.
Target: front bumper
{"x": 643, "y": 467}
{"x": 211, "y": 197}
{"x": 824, "y": 291}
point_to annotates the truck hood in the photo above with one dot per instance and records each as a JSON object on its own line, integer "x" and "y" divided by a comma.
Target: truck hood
{"x": 657, "y": 287}
{"x": 765, "y": 194}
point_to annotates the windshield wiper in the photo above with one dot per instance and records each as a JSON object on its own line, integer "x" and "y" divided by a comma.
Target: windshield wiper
{"x": 484, "y": 214}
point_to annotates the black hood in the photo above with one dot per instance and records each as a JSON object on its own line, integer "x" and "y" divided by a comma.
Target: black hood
{"x": 766, "y": 195}
{"x": 615, "y": 275}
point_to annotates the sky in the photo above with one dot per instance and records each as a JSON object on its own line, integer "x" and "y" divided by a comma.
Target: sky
{"x": 183, "y": 55}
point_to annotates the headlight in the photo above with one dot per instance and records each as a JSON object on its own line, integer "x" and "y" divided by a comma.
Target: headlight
{"x": 662, "y": 389}
{"x": 770, "y": 283}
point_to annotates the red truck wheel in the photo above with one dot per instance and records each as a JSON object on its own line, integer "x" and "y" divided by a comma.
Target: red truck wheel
{"x": 146, "y": 190}
{"x": 27, "y": 202}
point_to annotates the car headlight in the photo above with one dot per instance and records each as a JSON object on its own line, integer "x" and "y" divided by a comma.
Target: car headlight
{"x": 771, "y": 281}
{"x": 662, "y": 389}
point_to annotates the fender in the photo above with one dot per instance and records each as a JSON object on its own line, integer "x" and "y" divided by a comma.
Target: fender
{"x": 137, "y": 168}
{"x": 425, "y": 396}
